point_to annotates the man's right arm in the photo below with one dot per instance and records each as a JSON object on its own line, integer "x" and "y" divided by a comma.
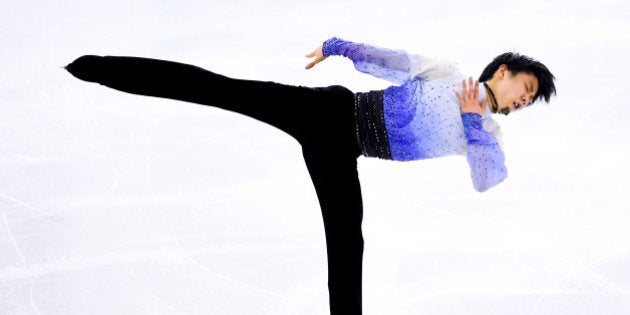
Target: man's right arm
{"x": 392, "y": 65}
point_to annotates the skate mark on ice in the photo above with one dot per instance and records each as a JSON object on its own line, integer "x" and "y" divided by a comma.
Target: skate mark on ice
{"x": 155, "y": 297}
{"x": 235, "y": 281}
{"x": 32, "y": 298}
{"x": 19, "y": 251}
{"x": 15, "y": 245}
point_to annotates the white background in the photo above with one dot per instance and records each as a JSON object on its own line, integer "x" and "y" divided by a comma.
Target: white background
{"x": 112, "y": 203}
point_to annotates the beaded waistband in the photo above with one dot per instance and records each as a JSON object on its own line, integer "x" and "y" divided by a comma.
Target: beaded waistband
{"x": 370, "y": 125}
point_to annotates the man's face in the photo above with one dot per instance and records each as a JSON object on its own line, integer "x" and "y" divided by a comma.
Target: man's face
{"x": 515, "y": 91}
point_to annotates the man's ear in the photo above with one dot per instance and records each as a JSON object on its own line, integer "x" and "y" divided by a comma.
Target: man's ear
{"x": 502, "y": 69}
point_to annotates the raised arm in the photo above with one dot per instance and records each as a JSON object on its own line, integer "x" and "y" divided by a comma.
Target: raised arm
{"x": 393, "y": 65}
{"x": 388, "y": 64}
{"x": 485, "y": 157}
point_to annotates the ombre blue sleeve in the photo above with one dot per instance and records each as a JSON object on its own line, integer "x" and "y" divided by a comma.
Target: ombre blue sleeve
{"x": 391, "y": 65}
{"x": 485, "y": 157}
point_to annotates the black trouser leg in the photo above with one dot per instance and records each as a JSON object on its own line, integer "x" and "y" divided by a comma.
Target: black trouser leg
{"x": 293, "y": 109}
{"x": 321, "y": 119}
{"x": 337, "y": 185}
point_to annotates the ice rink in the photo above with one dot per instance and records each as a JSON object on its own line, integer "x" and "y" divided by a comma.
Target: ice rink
{"x": 112, "y": 203}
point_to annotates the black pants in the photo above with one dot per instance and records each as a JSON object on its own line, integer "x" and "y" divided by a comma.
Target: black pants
{"x": 320, "y": 119}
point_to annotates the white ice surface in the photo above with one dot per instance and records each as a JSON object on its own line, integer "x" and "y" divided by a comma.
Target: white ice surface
{"x": 112, "y": 203}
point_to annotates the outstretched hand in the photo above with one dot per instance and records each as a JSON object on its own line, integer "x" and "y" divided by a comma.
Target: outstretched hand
{"x": 469, "y": 102}
{"x": 318, "y": 54}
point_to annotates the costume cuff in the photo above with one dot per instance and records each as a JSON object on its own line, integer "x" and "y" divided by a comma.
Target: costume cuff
{"x": 329, "y": 47}
{"x": 471, "y": 121}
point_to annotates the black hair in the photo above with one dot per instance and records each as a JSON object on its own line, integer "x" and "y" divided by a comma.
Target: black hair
{"x": 519, "y": 63}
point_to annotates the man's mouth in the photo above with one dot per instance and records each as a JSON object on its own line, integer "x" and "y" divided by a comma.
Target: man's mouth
{"x": 505, "y": 111}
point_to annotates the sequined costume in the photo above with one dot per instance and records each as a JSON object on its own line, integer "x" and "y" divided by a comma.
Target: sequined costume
{"x": 421, "y": 113}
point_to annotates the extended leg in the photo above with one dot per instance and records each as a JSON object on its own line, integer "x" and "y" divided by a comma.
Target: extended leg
{"x": 336, "y": 181}
{"x": 293, "y": 109}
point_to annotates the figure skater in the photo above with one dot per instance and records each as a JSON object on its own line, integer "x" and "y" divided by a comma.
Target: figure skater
{"x": 430, "y": 111}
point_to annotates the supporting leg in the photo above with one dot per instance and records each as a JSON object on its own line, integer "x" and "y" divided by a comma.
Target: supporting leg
{"x": 338, "y": 189}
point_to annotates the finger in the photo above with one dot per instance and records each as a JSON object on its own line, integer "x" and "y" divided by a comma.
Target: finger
{"x": 310, "y": 65}
{"x": 464, "y": 89}
{"x": 472, "y": 88}
{"x": 312, "y": 54}
{"x": 476, "y": 90}
{"x": 459, "y": 97}
{"x": 483, "y": 105}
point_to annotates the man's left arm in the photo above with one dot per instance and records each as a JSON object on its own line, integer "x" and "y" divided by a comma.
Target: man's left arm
{"x": 485, "y": 156}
